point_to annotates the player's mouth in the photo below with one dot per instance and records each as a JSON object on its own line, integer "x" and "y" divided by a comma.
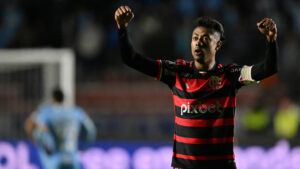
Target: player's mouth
{"x": 198, "y": 51}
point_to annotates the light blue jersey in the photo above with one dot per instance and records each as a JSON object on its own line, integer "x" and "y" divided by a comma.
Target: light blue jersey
{"x": 60, "y": 142}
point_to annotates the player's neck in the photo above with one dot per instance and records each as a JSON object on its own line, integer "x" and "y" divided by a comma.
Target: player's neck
{"x": 204, "y": 66}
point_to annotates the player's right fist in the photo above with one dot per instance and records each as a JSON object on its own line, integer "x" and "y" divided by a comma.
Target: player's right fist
{"x": 123, "y": 16}
{"x": 268, "y": 28}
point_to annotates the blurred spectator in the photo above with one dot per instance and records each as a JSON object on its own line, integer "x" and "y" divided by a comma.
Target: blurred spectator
{"x": 256, "y": 120}
{"x": 90, "y": 37}
{"x": 286, "y": 120}
{"x": 88, "y": 27}
{"x": 10, "y": 23}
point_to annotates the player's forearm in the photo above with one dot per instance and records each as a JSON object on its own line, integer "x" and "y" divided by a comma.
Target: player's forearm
{"x": 127, "y": 51}
{"x": 269, "y": 66}
{"x": 131, "y": 58}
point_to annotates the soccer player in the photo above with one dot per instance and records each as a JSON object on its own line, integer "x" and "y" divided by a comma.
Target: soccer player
{"x": 204, "y": 92}
{"x": 56, "y": 129}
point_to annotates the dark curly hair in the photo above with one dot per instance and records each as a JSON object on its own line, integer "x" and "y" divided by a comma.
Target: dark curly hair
{"x": 211, "y": 24}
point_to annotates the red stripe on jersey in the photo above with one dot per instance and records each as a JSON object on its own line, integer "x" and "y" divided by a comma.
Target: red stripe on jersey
{"x": 197, "y": 85}
{"x": 180, "y": 62}
{"x": 159, "y": 70}
{"x": 204, "y": 123}
{"x": 203, "y": 157}
{"x": 216, "y": 103}
{"x": 203, "y": 140}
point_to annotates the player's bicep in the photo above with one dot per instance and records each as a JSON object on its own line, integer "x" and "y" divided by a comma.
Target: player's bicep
{"x": 144, "y": 65}
{"x": 166, "y": 72}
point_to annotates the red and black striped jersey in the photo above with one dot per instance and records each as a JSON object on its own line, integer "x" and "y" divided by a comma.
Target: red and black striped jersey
{"x": 204, "y": 105}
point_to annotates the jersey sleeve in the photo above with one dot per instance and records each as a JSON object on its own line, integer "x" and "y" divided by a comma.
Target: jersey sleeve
{"x": 269, "y": 65}
{"x": 167, "y": 72}
{"x": 42, "y": 115}
{"x": 133, "y": 59}
{"x": 241, "y": 75}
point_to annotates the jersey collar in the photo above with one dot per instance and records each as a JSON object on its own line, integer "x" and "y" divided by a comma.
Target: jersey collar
{"x": 215, "y": 67}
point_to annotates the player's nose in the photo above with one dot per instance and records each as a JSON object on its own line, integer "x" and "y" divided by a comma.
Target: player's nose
{"x": 199, "y": 42}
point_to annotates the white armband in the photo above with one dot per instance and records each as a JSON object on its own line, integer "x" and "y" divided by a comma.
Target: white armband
{"x": 245, "y": 76}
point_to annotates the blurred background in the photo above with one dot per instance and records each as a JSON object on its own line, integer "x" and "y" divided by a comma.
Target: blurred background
{"x": 128, "y": 106}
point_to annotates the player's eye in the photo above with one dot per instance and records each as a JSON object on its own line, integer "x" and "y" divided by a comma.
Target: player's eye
{"x": 195, "y": 38}
{"x": 205, "y": 38}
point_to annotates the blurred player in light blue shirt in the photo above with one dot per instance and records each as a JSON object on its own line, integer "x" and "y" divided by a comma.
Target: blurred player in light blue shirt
{"x": 57, "y": 133}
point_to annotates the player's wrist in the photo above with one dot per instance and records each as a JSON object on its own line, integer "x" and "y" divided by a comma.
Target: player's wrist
{"x": 122, "y": 26}
{"x": 271, "y": 38}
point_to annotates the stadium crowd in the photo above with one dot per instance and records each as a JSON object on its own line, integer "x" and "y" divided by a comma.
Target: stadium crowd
{"x": 115, "y": 95}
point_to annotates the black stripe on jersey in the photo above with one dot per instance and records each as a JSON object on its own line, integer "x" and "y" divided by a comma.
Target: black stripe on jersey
{"x": 225, "y": 91}
{"x": 204, "y": 132}
{"x": 208, "y": 164}
{"x": 226, "y": 113}
{"x": 222, "y": 149}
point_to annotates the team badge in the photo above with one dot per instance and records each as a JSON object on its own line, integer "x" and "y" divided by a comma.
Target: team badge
{"x": 215, "y": 82}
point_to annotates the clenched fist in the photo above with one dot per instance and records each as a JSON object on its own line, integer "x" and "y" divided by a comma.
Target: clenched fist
{"x": 123, "y": 16}
{"x": 268, "y": 28}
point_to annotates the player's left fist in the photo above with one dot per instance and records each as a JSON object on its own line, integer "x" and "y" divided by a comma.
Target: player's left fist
{"x": 268, "y": 28}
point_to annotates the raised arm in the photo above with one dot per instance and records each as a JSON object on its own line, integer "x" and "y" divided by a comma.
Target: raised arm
{"x": 267, "y": 67}
{"x": 130, "y": 57}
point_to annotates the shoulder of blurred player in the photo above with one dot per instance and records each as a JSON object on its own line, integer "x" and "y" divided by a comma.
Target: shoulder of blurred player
{"x": 78, "y": 109}
{"x": 43, "y": 107}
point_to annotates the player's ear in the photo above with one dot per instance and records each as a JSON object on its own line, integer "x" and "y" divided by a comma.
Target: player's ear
{"x": 219, "y": 44}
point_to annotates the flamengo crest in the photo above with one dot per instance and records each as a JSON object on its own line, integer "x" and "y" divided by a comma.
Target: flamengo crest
{"x": 215, "y": 82}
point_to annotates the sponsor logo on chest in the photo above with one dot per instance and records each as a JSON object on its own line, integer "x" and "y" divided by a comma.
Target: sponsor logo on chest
{"x": 201, "y": 108}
